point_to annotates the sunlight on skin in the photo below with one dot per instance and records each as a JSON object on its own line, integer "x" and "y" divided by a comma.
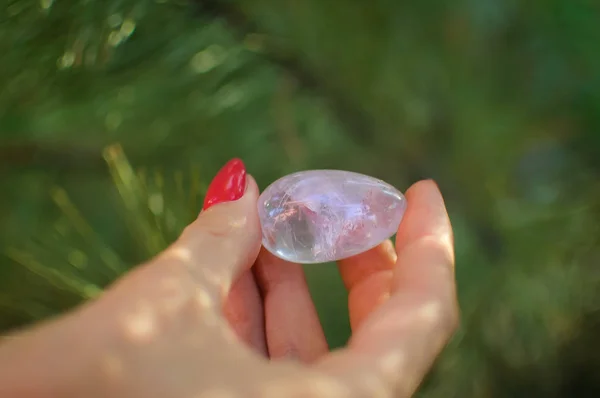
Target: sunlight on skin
{"x": 178, "y": 255}
{"x": 426, "y": 315}
{"x": 215, "y": 257}
{"x": 390, "y": 363}
{"x": 212, "y": 278}
{"x": 238, "y": 222}
{"x": 425, "y": 324}
{"x": 203, "y": 299}
{"x": 172, "y": 294}
{"x": 430, "y": 313}
{"x": 141, "y": 325}
{"x": 182, "y": 254}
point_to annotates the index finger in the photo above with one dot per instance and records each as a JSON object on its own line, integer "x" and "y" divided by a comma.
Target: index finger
{"x": 396, "y": 345}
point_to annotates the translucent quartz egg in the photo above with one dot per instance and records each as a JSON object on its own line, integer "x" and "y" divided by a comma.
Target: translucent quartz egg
{"x": 319, "y": 216}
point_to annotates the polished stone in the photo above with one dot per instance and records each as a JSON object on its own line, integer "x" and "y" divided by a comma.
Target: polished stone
{"x": 318, "y": 216}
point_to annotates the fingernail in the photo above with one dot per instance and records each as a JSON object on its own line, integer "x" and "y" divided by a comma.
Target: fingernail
{"x": 228, "y": 185}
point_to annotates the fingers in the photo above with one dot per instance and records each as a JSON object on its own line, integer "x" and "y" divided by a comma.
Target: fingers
{"x": 244, "y": 312}
{"x": 397, "y": 344}
{"x": 368, "y": 277}
{"x": 292, "y": 325}
{"x": 220, "y": 244}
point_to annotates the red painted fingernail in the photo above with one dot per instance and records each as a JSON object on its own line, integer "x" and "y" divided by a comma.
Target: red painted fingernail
{"x": 228, "y": 185}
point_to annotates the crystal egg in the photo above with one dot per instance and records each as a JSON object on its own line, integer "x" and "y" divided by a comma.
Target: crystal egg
{"x": 318, "y": 216}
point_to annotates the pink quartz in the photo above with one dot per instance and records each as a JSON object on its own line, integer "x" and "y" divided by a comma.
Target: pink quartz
{"x": 319, "y": 216}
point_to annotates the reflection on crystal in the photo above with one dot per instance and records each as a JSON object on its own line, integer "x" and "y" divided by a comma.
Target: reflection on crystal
{"x": 326, "y": 215}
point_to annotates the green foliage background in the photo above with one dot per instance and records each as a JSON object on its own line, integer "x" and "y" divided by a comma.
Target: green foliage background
{"x": 499, "y": 101}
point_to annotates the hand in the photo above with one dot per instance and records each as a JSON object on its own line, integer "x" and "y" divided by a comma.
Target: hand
{"x": 213, "y": 316}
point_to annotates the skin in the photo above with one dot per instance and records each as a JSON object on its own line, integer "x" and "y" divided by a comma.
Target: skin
{"x": 214, "y": 316}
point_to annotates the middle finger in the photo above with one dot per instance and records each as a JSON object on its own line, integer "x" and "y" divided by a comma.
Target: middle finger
{"x": 292, "y": 325}
{"x": 244, "y": 312}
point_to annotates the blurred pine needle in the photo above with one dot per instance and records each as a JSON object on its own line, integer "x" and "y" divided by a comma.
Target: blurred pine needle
{"x": 72, "y": 262}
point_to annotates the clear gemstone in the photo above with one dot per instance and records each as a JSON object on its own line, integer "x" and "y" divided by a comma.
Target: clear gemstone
{"x": 318, "y": 216}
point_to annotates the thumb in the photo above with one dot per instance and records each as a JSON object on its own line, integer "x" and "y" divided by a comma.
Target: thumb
{"x": 225, "y": 239}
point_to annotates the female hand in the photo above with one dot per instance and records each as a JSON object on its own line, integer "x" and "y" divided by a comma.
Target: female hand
{"x": 213, "y": 316}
